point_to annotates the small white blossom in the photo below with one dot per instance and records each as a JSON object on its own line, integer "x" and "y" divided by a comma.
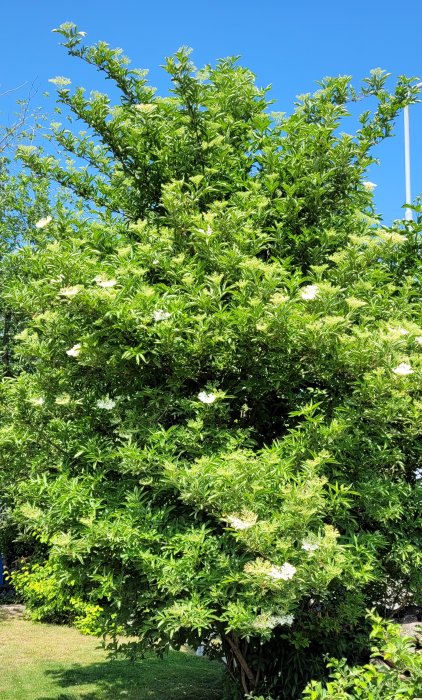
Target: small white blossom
{"x": 42, "y": 223}
{"x": 106, "y": 284}
{"x": 155, "y": 262}
{"x": 282, "y": 620}
{"x": 146, "y": 107}
{"x": 161, "y": 315}
{"x": 394, "y": 237}
{"x": 278, "y": 298}
{"x": 206, "y": 398}
{"x": 398, "y": 331}
{"x": 82, "y": 33}
{"x": 418, "y": 339}
{"x": 69, "y": 291}
{"x": 310, "y": 292}
{"x": 107, "y": 404}
{"x": 309, "y": 546}
{"x": 264, "y": 622}
{"x": 370, "y": 186}
{"x": 418, "y": 473}
{"x": 241, "y": 523}
{"x": 60, "y": 80}
{"x": 37, "y": 401}
{"x": 285, "y": 572}
{"x": 403, "y": 369}
{"x": 74, "y": 352}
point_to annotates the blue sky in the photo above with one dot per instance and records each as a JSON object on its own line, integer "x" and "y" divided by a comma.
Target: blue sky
{"x": 289, "y": 45}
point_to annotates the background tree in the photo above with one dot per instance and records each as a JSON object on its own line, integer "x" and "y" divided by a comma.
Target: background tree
{"x": 218, "y": 413}
{"x": 24, "y": 199}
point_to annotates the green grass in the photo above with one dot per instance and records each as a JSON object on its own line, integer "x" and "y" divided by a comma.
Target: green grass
{"x": 49, "y": 662}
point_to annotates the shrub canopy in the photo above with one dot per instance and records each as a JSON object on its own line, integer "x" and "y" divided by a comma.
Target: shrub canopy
{"x": 216, "y": 431}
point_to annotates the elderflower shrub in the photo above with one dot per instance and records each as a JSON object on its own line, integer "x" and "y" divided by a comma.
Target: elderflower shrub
{"x": 225, "y": 447}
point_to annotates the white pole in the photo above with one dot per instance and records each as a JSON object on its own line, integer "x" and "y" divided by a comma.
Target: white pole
{"x": 409, "y": 214}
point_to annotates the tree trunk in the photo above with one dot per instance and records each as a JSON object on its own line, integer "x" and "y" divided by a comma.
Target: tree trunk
{"x": 237, "y": 665}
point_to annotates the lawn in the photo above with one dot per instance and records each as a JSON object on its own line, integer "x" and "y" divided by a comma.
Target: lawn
{"x": 49, "y": 662}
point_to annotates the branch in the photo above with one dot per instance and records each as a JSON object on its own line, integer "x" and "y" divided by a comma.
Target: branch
{"x": 243, "y": 664}
{"x": 7, "y": 92}
{"x": 11, "y": 131}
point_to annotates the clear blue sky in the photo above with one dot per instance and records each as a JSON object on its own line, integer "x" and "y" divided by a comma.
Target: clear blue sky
{"x": 288, "y": 44}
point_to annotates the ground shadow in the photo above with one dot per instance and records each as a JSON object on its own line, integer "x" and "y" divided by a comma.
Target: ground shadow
{"x": 149, "y": 679}
{"x": 66, "y": 696}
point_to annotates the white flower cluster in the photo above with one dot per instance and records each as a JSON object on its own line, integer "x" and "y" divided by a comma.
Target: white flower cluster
{"x": 206, "y": 398}
{"x": 285, "y": 572}
{"x": 145, "y": 107}
{"x": 242, "y": 523}
{"x": 69, "y": 291}
{"x": 106, "y": 403}
{"x": 403, "y": 369}
{"x": 161, "y": 315}
{"x": 282, "y": 620}
{"x": 104, "y": 283}
{"x": 393, "y": 237}
{"x": 370, "y": 186}
{"x": 264, "y": 622}
{"x": 278, "y": 298}
{"x": 309, "y": 546}
{"x": 310, "y": 292}
{"x": 74, "y": 352}
{"x": 60, "y": 80}
{"x": 42, "y": 223}
{"x": 398, "y": 330}
{"x": 37, "y": 401}
{"x": 263, "y": 567}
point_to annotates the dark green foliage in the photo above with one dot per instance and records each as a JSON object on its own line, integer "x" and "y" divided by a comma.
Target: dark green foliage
{"x": 393, "y": 673}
